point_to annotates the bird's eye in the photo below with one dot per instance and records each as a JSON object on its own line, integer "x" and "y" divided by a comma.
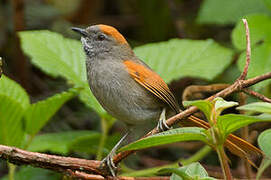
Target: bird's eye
{"x": 101, "y": 37}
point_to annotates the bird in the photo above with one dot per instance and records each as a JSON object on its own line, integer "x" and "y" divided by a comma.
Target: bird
{"x": 129, "y": 90}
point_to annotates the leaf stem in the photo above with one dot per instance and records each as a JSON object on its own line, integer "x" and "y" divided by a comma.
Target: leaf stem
{"x": 99, "y": 154}
{"x": 11, "y": 171}
{"x": 224, "y": 162}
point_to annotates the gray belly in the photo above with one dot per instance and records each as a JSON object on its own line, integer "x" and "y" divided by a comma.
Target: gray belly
{"x": 123, "y": 97}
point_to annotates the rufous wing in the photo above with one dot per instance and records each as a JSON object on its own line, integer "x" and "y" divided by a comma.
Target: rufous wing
{"x": 152, "y": 82}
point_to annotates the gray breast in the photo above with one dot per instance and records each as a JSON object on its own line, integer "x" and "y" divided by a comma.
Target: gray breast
{"x": 120, "y": 95}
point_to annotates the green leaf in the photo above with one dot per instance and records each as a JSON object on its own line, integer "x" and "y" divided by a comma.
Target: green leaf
{"x": 228, "y": 12}
{"x": 267, "y": 4}
{"x": 167, "y": 137}
{"x": 59, "y": 57}
{"x": 178, "y": 174}
{"x": 59, "y": 142}
{"x": 262, "y": 107}
{"x": 260, "y": 62}
{"x": 265, "y": 145}
{"x": 264, "y": 142}
{"x": 231, "y": 122}
{"x": 89, "y": 144}
{"x": 179, "y": 58}
{"x": 204, "y": 105}
{"x": 14, "y": 101}
{"x": 221, "y": 104}
{"x": 14, "y": 91}
{"x": 38, "y": 114}
{"x": 31, "y": 173}
{"x": 259, "y": 30}
{"x": 189, "y": 172}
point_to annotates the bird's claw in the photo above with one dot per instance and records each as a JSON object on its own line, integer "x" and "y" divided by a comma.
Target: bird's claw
{"x": 109, "y": 164}
{"x": 162, "y": 124}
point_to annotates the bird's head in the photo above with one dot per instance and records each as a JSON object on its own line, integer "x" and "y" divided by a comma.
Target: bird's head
{"x": 103, "y": 39}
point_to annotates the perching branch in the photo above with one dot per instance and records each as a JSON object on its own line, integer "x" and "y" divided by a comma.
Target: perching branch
{"x": 55, "y": 163}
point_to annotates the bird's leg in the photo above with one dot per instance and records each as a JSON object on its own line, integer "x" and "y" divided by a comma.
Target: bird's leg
{"x": 108, "y": 160}
{"x": 162, "y": 124}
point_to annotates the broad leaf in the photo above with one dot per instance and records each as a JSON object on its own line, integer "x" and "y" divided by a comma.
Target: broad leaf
{"x": 262, "y": 107}
{"x": 59, "y": 142}
{"x": 59, "y": 56}
{"x": 14, "y": 102}
{"x": 232, "y": 122}
{"x": 204, "y": 105}
{"x": 179, "y": 58}
{"x": 259, "y": 30}
{"x": 38, "y": 114}
{"x": 264, "y": 142}
{"x": 228, "y": 12}
{"x": 167, "y": 137}
{"x": 265, "y": 145}
{"x": 189, "y": 172}
{"x": 89, "y": 144}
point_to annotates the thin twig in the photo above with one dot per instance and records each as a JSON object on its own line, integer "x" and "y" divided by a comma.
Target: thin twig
{"x": 248, "y": 51}
{"x": 257, "y": 95}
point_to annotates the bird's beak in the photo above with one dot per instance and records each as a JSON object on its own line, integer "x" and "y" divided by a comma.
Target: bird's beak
{"x": 80, "y": 31}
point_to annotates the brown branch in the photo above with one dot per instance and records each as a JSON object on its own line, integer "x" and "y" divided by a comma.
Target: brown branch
{"x": 257, "y": 95}
{"x": 248, "y": 55}
{"x": 55, "y": 163}
{"x": 75, "y": 167}
{"x": 82, "y": 175}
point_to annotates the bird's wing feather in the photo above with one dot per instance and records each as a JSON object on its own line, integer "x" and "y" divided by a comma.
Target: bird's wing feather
{"x": 152, "y": 82}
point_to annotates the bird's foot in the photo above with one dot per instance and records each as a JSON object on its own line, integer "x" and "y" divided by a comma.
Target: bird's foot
{"x": 107, "y": 163}
{"x": 162, "y": 124}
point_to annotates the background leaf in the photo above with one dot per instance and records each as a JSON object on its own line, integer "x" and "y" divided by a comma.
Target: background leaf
{"x": 167, "y": 137}
{"x": 59, "y": 56}
{"x": 179, "y": 58}
{"x": 228, "y": 12}
{"x": 38, "y": 114}
{"x": 90, "y": 143}
{"x": 14, "y": 101}
{"x": 31, "y": 173}
{"x": 59, "y": 142}
{"x": 259, "y": 30}
{"x": 262, "y": 107}
{"x": 265, "y": 145}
